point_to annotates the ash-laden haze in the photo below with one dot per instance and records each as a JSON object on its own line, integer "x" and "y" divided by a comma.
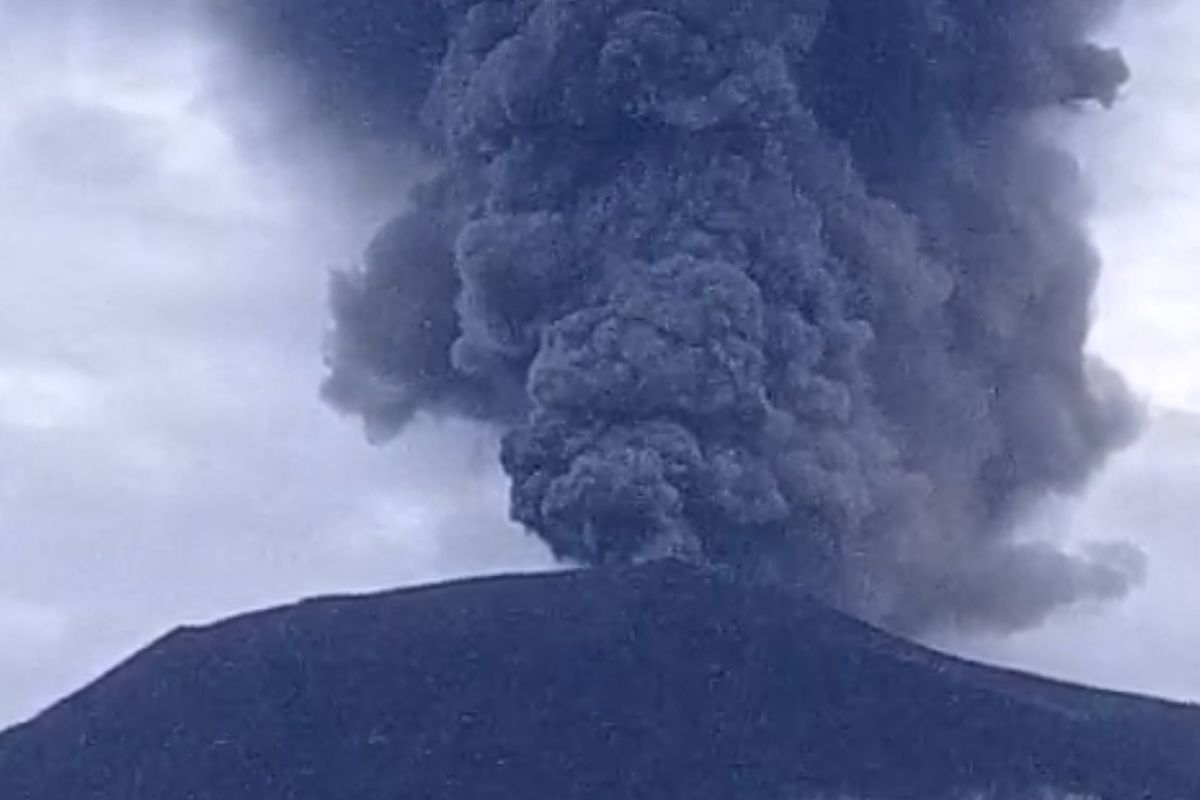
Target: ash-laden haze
{"x": 794, "y": 287}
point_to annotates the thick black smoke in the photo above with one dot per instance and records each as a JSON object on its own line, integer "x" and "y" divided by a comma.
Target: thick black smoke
{"x": 796, "y": 287}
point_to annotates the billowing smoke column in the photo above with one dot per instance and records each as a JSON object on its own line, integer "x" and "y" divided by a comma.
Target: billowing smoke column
{"x": 794, "y": 287}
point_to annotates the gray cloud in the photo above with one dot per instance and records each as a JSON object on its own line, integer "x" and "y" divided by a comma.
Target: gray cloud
{"x": 1144, "y": 159}
{"x": 166, "y": 457}
{"x": 793, "y": 288}
{"x": 1148, "y": 643}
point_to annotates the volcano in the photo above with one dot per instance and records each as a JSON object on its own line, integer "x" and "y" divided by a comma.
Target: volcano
{"x": 655, "y": 681}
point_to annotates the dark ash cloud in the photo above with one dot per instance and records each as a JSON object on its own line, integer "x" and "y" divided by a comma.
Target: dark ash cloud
{"x": 791, "y": 286}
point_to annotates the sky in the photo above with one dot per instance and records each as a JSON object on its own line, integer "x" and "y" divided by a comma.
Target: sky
{"x": 165, "y": 457}
{"x": 1143, "y": 160}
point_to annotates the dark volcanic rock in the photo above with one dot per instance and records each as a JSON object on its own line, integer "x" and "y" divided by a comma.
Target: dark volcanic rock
{"x": 653, "y": 682}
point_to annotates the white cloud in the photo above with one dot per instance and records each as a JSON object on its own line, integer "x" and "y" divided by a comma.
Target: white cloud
{"x": 164, "y": 457}
{"x": 46, "y": 396}
{"x": 1143, "y": 158}
{"x": 28, "y": 630}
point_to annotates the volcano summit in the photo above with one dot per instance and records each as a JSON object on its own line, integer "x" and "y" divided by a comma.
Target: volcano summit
{"x": 659, "y": 682}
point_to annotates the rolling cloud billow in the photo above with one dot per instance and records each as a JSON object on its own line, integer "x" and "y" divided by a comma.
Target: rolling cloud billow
{"x": 793, "y": 287}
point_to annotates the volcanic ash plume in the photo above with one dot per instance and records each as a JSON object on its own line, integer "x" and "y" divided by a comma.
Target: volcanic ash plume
{"x": 793, "y": 287}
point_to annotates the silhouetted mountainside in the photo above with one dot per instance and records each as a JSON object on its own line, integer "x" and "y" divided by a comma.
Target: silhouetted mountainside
{"x": 651, "y": 682}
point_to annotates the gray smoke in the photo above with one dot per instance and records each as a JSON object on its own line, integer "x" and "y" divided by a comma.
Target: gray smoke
{"x": 792, "y": 287}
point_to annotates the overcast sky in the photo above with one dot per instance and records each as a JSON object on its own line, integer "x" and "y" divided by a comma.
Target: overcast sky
{"x": 163, "y": 454}
{"x": 1143, "y": 159}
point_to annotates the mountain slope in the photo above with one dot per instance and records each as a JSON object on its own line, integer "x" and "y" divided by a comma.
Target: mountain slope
{"x": 652, "y": 682}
